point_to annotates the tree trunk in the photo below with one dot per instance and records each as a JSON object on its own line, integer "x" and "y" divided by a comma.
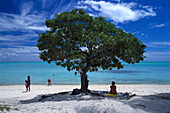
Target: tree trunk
{"x": 84, "y": 83}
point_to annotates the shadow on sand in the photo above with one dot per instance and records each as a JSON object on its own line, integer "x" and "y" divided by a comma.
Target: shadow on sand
{"x": 150, "y": 103}
{"x": 157, "y": 103}
{"x": 63, "y": 96}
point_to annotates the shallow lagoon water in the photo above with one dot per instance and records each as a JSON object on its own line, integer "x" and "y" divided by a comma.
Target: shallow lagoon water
{"x": 15, "y": 73}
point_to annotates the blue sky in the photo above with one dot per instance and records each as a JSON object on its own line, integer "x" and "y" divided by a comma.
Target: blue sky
{"x": 22, "y": 20}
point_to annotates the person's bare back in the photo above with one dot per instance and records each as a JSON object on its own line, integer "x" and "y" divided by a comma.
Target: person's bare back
{"x": 113, "y": 88}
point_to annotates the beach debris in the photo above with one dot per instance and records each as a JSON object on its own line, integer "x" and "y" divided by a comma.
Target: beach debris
{"x": 76, "y": 91}
{"x": 126, "y": 95}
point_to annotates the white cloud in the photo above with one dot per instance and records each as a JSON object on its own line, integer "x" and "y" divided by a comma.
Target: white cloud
{"x": 40, "y": 28}
{"x": 23, "y": 37}
{"x": 82, "y": 7}
{"x": 19, "y": 50}
{"x": 117, "y": 0}
{"x": 157, "y": 55}
{"x": 19, "y": 53}
{"x": 61, "y": 6}
{"x": 160, "y": 53}
{"x": 158, "y": 26}
{"x": 43, "y": 3}
{"x": 27, "y": 20}
{"x": 118, "y": 12}
{"x": 26, "y": 8}
{"x": 158, "y": 44}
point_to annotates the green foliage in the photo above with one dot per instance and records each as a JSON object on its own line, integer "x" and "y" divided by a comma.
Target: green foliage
{"x": 106, "y": 45}
{"x": 4, "y": 107}
{"x": 7, "y": 108}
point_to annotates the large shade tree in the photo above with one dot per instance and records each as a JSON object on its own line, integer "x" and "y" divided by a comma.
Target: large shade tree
{"x": 77, "y": 40}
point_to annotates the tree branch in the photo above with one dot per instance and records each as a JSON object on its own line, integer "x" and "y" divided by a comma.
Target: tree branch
{"x": 95, "y": 65}
{"x": 72, "y": 55}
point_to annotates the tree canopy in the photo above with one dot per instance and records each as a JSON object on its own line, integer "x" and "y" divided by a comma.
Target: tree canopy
{"x": 77, "y": 40}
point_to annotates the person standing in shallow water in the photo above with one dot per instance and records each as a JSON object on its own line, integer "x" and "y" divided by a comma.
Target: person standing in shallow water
{"x": 28, "y": 83}
{"x": 113, "y": 88}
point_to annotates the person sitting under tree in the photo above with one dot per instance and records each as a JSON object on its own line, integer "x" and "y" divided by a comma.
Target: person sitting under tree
{"x": 113, "y": 88}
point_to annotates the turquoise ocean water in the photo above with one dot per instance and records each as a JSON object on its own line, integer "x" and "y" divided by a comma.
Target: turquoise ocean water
{"x": 15, "y": 73}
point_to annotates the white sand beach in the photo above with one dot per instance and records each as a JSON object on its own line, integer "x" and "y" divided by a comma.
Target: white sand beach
{"x": 148, "y": 99}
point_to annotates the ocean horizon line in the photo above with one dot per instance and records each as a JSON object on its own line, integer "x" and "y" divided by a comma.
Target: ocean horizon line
{"x": 55, "y": 61}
